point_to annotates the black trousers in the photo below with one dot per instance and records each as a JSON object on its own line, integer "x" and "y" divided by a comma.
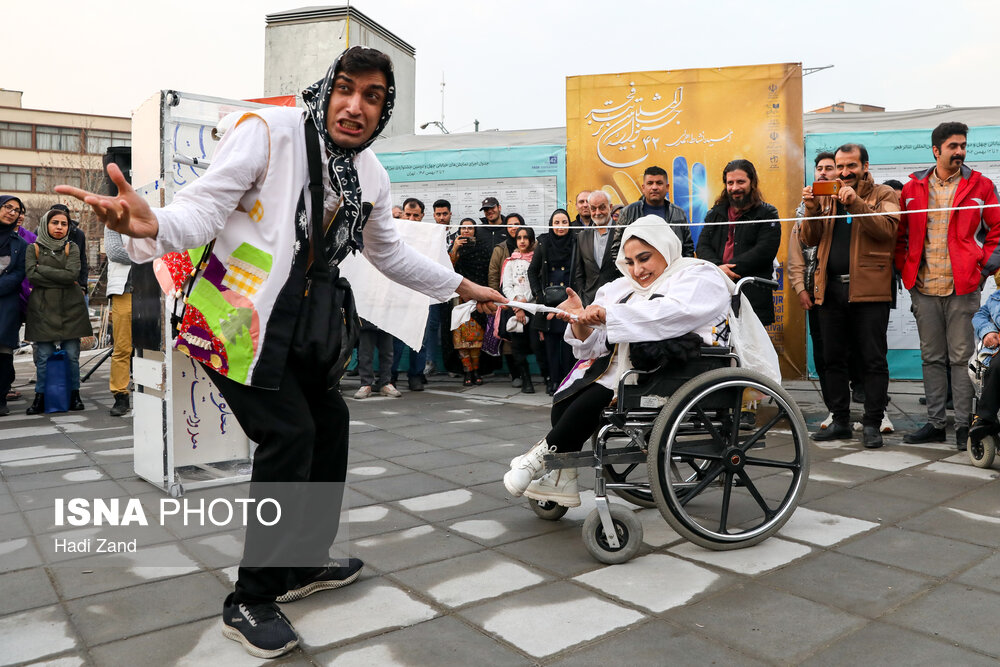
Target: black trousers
{"x": 301, "y": 431}
{"x": 575, "y": 419}
{"x": 558, "y": 352}
{"x": 854, "y": 329}
{"x": 6, "y": 375}
{"x": 989, "y": 400}
{"x": 816, "y": 334}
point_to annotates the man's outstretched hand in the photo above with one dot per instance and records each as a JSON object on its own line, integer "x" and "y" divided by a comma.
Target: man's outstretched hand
{"x": 470, "y": 291}
{"x": 128, "y": 213}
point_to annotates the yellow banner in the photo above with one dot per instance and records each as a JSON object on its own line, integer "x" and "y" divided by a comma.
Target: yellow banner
{"x": 691, "y": 123}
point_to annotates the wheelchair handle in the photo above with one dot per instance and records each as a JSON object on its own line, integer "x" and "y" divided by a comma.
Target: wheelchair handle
{"x": 764, "y": 282}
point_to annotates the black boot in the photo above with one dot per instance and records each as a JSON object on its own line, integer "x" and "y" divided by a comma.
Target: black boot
{"x": 469, "y": 379}
{"x": 121, "y": 405}
{"x": 75, "y": 404}
{"x": 526, "y": 386}
{"x": 37, "y": 406}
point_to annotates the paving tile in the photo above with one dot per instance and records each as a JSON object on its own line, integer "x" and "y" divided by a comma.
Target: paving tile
{"x": 881, "y": 644}
{"x": 882, "y": 459}
{"x": 564, "y": 608}
{"x": 862, "y": 503}
{"x": 41, "y": 498}
{"x": 656, "y": 532}
{"x": 838, "y": 473}
{"x": 970, "y": 619}
{"x": 25, "y": 589}
{"x": 33, "y": 635}
{"x": 656, "y": 582}
{"x": 822, "y": 528}
{"x": 12, "y": 525}
{"x": 985, "y": 575}
{"x": 767, "y": 555}
{"x": 189, "y": 645}
{"x": 55, "y": 546}
{"x": 109, "y": 616}
{"x": 495, "y": 450}
{"x": 371, "y": 520}
{"x": 18, "y": 553}
{"x": 985, "y": 500}
{"x": 374, "y": 468}
{"x": 442, "y": 641}
{"x": 471, "y": 474}
{"x": 507, "y": 524}
{"x": 561, "y": 552}
{"x": 101, "y": 573}
{"x": 770, "y": 624}
{"x": 655, "y": 643}
{"x": 919, "y": 484}
{"x": 957, "y": 524}
{"x": 361, "y": 609}
{"x": 927, "y": 554}
{"x": 852, "y": 584}
{"x": 402, "y": 486}
{"x": 471, "y": 578}
{"x": 410, "y": 547}
{"x": 447, "y": 505}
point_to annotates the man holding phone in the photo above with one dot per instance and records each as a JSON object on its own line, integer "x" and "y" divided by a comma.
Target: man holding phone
{"x": 853, "y": 283}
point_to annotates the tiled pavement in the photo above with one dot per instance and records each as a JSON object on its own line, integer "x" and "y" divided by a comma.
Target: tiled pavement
{"x": 891, "y": 558}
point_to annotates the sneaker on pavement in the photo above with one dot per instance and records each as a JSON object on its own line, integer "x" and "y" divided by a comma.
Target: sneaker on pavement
{"x": 261, "y": 628}
{"x": 389, "y": 390}
{"x": 826, "y": 422}
{"x": 886, "y": 425}
{"x": 363, "y": 392}
{"x": 558, "y": 486}
{"x": 327, "y": 578}
{"x": 926, "y": 433}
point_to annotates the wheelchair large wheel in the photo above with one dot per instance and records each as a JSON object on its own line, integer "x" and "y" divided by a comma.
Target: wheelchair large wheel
{"x": 627, "y": 529}
{"x": 983, "y": 452}
{"x": 742, "y": 494}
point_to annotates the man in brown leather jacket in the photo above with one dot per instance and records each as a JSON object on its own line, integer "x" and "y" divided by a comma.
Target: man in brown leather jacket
{"x": 853, "y": 282}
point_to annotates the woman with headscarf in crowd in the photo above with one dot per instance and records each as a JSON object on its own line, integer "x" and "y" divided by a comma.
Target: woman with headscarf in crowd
{"x": 500, "y": 253}
{"x": 514, "y": 325}
{"x": 57, "y": 310}
{"x": 551, "y": 273}
{"x": 12, "y": 251}
{"x": 660, "y": 296}
{"x": 471, "y": 260}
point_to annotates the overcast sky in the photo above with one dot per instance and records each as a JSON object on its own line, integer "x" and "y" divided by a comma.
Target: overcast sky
{"x": 505, "y": 62}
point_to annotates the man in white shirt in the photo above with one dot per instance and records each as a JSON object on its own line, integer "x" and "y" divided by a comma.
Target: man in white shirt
{"x": 255, "y": 203}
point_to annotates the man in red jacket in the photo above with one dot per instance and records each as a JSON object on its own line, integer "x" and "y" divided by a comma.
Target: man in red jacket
{"x": 944, "y": 256}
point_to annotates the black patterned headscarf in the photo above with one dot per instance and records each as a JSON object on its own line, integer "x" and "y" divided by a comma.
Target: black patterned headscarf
{"x": 345, "y": 234}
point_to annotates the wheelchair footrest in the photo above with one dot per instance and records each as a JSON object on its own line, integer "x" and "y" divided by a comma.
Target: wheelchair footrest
{"x": 590, "y": 460}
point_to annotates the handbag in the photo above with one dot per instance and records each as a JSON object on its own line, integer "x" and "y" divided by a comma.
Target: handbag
{"x": 553, "y": 295}
{"x": 810, "y": 257}
{"x": 57, "y": 382}
{"x": 327, "y": 326}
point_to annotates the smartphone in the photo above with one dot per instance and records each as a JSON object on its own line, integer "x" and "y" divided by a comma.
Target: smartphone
{"x": 825, "y": 188}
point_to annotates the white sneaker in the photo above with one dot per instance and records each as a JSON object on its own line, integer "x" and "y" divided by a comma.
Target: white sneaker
{"x": 364, "y": 392}
{"x": 559, "y": 486}
{"x": 525, "y": 468}
{"x": 886, "y": 426}
{"x": 826, "y": 422}
{"x": 390, "y": 391}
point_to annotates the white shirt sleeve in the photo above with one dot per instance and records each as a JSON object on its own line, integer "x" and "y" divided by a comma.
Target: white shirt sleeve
{"x": 199, "y": 211}
{"x": 692, "y": 299}
{"x": 389, "y": 254}
{"x": 596, "y": 344}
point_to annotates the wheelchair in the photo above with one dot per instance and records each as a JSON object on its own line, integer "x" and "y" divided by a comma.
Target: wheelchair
{"x": 983, "y": 452}
{"x": 673, "y": 441}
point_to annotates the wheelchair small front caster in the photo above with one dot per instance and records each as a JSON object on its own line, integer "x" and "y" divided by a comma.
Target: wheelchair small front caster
{"x": 983, "y": 452}
{"x": 548, "y": 510}
{"x": 627, "y": 529}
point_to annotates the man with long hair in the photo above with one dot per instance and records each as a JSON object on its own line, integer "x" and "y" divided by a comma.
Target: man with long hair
{"x": 743, "y": 247}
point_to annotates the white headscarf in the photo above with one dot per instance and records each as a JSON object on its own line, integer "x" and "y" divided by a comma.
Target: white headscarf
{"x": 655, "y": 231}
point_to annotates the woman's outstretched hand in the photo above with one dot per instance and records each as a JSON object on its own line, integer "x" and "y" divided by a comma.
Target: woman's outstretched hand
{"x": 572, "y": 307}
{"x": 128, "y": 213}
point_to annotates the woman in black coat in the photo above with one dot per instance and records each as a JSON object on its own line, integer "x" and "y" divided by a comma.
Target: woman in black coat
{"x": 12, "y": 250}
{"x": 551, "y": 272}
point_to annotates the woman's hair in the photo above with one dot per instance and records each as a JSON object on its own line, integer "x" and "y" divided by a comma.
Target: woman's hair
{"x": 559, "y": 210}
{"x": 530, "y": 231}
{"x": 467, "y": 220}
{"x": 520, "y": 220}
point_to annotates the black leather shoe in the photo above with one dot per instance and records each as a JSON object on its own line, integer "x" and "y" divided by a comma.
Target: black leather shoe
{"x": 858, "y": 395}
{"x": 37, "y": 406}
{"x": 414, "y": 383}
{"x": 835, "y": 431}
{"x": 962, "y": 438}
{"x": 926, "y": 433}
{"x": 871, "y": 437}
{"x": 75, "y": 403}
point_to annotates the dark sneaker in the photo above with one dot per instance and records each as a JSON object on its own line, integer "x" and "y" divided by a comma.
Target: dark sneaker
{"x": 835, "y": 431}
{"x": 261, "y": 628}
{"x": 962, "y": 438}
{"x": 871, "y": 437}
{"x": 333, "y": 576}
{"x": 926, "y": 433}
{"x": 748, "y": 420}
{"x": 858, "y": 395}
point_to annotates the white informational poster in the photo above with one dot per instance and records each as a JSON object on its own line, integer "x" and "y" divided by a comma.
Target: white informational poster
{"x": 533, "y": 197}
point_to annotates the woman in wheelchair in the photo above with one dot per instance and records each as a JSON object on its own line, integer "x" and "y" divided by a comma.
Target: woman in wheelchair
{"x": 659, "y": 296}
{"x": 986, "y": 323}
